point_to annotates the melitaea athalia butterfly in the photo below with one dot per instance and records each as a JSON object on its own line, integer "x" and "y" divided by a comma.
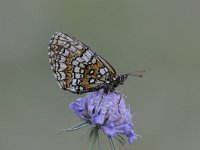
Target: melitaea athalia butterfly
{"x": 78, "y": 69}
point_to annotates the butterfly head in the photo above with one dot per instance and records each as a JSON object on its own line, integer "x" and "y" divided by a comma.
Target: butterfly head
{"x": 121, "y": 78}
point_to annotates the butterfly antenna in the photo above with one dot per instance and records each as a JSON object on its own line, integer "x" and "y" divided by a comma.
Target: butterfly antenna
{"x": 136, "y": 73}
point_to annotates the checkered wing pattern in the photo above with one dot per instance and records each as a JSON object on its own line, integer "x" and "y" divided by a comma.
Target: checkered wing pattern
{"x": 76, "y": 67}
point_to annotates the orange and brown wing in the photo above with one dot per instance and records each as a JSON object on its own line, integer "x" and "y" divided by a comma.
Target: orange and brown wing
{"x": 76, "y": 67}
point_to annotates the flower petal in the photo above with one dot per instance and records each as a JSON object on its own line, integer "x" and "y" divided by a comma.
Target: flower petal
{"x": 108, "y": 111}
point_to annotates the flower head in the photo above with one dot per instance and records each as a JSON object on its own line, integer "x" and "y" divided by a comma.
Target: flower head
{"x": 108, "y": 112}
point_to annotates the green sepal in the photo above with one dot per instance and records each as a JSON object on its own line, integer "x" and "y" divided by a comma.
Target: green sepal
{"x": 121, "y": 140}
{"x": 112, "y": 144}
{"x": 75, "y": 127}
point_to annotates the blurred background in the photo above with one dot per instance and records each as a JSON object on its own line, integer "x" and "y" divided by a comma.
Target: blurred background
{"x": 159, "y": 36}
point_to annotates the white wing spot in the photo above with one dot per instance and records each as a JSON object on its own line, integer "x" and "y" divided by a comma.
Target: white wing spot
{"x": 91, "y": 71}
{"x": 85, "y": 58}
{"x": 79, "y": 59}
{"x": 62, "y": 67}
{"x": 74, "y": 82}
{"x": 77, "y": 69}
{"x": 102, "y": 71}
{"x": 92, "y": 80}
{"x": 66, "y": 53}
{"x": 78, "y": 75}
{"x": 75, "y": 62}
{"x": 94, "y": 60}
{"x": 62, "y": 59}
{"x": 59, "y": 33}
{"x": 88, "y": 54}
{"x": 79, "y": 46}
{"x": 82, "y": 71}
{"x": 72, "y": 48}
{"x": 60, "y": 75}
{"x": 81, "y": 88}
{"x": 82, "y": 65}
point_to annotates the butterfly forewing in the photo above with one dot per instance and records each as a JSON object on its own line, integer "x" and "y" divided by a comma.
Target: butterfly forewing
{"x": 76, "y": 67}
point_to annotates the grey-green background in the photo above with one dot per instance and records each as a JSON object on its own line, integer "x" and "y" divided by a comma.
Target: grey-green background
{"x": 160, "y": 36}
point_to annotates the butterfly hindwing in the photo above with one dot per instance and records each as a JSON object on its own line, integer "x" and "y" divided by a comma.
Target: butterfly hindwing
{"x": 76, "y": 67}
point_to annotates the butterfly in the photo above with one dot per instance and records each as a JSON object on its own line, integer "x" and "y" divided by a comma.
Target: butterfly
{"x": 79, "y": 69}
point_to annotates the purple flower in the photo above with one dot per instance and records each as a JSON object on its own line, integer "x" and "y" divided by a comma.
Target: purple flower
{"x": 108, "y": 112}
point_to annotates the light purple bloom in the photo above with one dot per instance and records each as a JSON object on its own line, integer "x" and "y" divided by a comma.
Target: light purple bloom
{"x": 106, "y": 111}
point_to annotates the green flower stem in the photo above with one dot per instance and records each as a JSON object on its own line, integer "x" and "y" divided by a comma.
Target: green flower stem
{"x": 99, "y": 142}
{"x": 93, "y": 137}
